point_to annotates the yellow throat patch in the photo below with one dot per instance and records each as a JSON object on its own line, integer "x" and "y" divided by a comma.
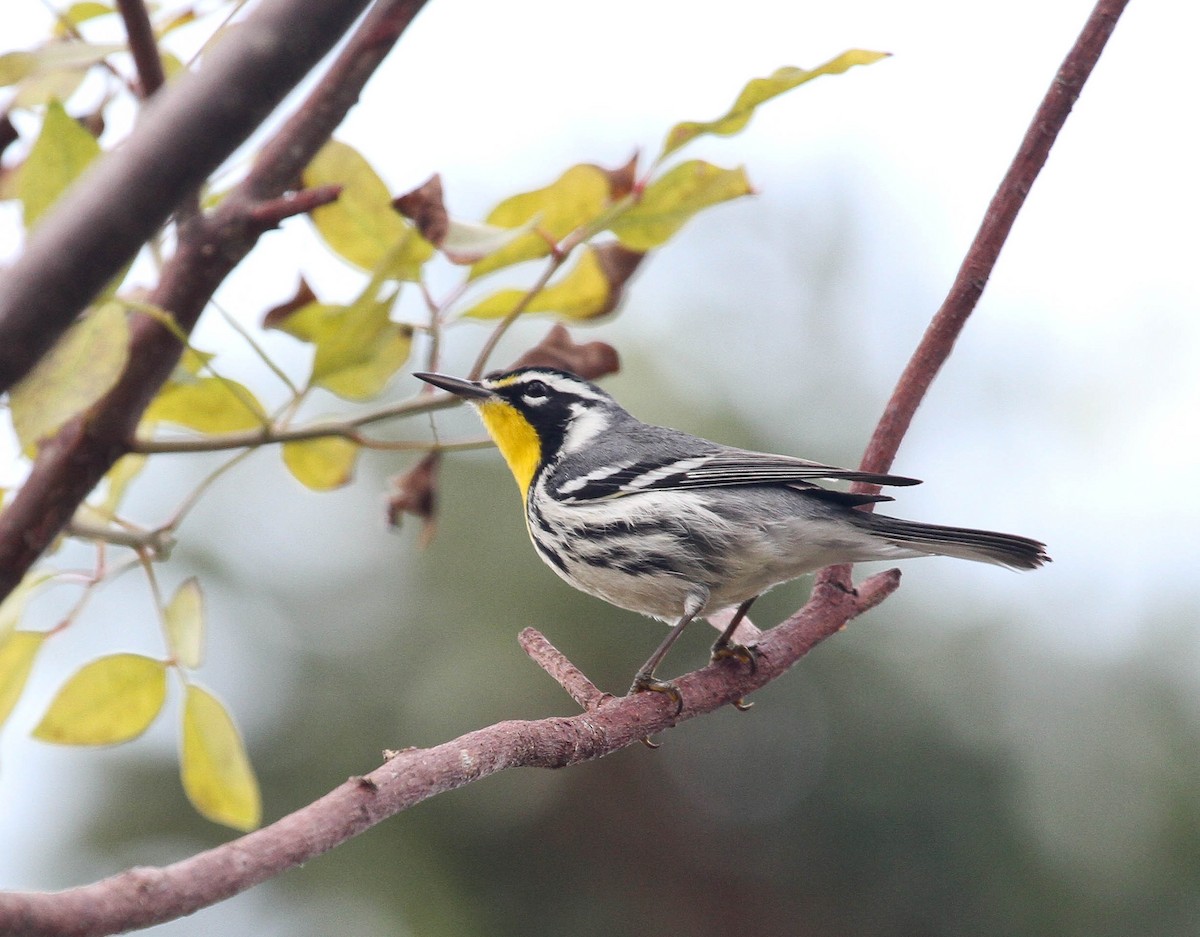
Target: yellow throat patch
{"x": 515, "y": 438}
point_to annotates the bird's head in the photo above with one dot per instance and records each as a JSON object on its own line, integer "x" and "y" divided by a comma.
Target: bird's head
{"x": 533, "y": 414}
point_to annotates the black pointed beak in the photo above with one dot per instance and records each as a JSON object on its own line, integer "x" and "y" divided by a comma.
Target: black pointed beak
{"x": 460, "y": 387}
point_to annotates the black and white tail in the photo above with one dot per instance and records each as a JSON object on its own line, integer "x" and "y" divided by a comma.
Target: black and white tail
{"x": 983, "y": 546}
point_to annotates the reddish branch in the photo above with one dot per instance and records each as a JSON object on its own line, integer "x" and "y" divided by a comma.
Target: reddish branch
{"x": 210, "y": 246}
{"x": 948, "y": 322}
{"x": 141, "y": 897}
{"x": 950, "y": 319}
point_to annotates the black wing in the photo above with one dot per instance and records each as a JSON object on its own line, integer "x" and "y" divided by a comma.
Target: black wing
{"x": 729, "y": 467}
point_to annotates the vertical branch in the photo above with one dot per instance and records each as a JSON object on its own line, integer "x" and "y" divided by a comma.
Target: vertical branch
{"x": 142, "y": 45}
{"x": 948, "y": 322}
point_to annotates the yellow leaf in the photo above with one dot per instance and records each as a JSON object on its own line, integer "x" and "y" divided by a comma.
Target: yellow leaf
{"x": 78, "y": 13}
{"x": 208, "y": 405}
{"x": 217, "y": 775}
{"x": 118, "y": 478}
{"x": 670, "y": 200}
{"x": 82, "y": 367}
{"x": 13, "y": 606}
{"x": 183, "y": 619}
{"x": 321, "y": 464}
{"x": 576, "y": 197}
{"x": 17, "y": 652}
{"x": 16, "y": 65}
{"x": 61, "y": 152}
{"x": 358, "y": 348}
{"x": 583, "y": 293}
{"x": 361, "y": 226}
{"x": 112, "y": 699}
{"x": 759, "y": 90}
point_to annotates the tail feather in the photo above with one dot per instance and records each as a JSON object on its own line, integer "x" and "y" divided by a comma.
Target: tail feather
{"x": 984, "y": 546}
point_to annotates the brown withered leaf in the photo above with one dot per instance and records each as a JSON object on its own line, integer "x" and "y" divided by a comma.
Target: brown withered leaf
{"x": 415, "y": 493}
{"x": 589, "y": 360}
{"x": 425, "y": 208}
{"x": 277, "y": 314}
{"x": 618, "y": 264}
{"x": 622, "y": 179}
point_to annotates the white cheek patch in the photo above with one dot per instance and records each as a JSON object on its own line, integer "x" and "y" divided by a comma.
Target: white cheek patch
{"x": 585, "y": 425}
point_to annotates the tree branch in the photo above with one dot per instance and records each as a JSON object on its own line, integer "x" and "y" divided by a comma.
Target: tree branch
{"x": 183, "y": 134}
{"x": 140, "y": 897}
{"x": 210, "y": 246}
{"x": 948, "y": 322}
{"x": 142, "y": 45}
{"x": 950, "y": 319}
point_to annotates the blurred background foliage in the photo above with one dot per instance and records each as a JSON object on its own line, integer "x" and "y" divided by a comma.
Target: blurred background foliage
{"x": 986, "y": 753}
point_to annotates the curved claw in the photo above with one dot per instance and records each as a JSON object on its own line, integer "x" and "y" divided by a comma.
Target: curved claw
{"x": 742, "y": 653}
{"x": 646, "y": 684}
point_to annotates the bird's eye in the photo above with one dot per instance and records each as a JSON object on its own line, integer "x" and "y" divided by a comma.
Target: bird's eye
{"x": 536, "y": 390}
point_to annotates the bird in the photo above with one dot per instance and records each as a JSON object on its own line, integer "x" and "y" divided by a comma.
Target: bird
{"x": 676, "y": 527}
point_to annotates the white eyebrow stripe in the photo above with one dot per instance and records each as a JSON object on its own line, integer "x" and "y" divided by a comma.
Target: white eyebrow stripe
{"x": 566, "y": 385}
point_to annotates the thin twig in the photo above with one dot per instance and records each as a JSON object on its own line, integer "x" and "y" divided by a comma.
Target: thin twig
{"x": 565, "y": 673}
{"x": 346, "y": 429}
{"x": 947, "y": 324}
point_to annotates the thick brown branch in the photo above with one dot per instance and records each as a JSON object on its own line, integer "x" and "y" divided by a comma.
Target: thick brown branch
{"x": 184, "y": 133}
{"x": 71, "y": 464}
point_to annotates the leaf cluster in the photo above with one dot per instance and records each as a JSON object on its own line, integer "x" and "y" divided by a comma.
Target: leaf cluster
{"x": 571, "y": 245}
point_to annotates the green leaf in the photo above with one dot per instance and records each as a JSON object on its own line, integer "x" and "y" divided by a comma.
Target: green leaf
{"x": 207, "y": 405}
{"x": 361, "y": 226}
{"x": 673, "y": 198}
{"x": 17, "y": 652}
{"x": 590, "y": 289}
{"x": 358, "y": 348}
{"x": 61, "y": 152}
{"x": 110, "y": 700}
{"x": 759, "y": 90}
{"x": 575, "y": 198}
{"x": 183, "y": 619}
{"x": 321, "y": 464}
{"x": 82, "y": 367}
{"x": 217, "y": 775}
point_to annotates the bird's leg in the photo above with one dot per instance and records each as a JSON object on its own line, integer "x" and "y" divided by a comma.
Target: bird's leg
{"x": 724, "y": 648}
{"x": 644, "y": 679}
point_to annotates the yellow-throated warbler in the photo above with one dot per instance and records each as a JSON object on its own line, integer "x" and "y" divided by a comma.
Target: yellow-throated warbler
{"x": 673, "y": 526}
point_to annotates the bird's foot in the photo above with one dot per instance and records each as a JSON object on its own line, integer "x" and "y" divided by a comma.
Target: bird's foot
{"x": 743, "y": 654}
